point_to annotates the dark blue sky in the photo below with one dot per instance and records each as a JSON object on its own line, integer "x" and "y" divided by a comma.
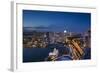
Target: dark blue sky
{"x": 58, "y": 21}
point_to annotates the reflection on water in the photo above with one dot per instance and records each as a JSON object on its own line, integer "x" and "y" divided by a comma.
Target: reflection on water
{"x": 35, "y": 55}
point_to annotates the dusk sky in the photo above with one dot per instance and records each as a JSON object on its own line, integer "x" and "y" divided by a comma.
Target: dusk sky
{"x": 75, "y": 22}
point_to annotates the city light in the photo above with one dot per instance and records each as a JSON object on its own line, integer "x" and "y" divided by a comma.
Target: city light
{"x": 65, "y": 31}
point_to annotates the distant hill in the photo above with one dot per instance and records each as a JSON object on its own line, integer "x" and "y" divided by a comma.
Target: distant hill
{"x": 43, "y": 29}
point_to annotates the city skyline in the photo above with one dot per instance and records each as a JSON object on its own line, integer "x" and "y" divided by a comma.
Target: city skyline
{"x": 72, "y": 21}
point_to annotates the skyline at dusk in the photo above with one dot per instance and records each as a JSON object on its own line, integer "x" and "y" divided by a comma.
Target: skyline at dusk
{"x": 56, "y": 36}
